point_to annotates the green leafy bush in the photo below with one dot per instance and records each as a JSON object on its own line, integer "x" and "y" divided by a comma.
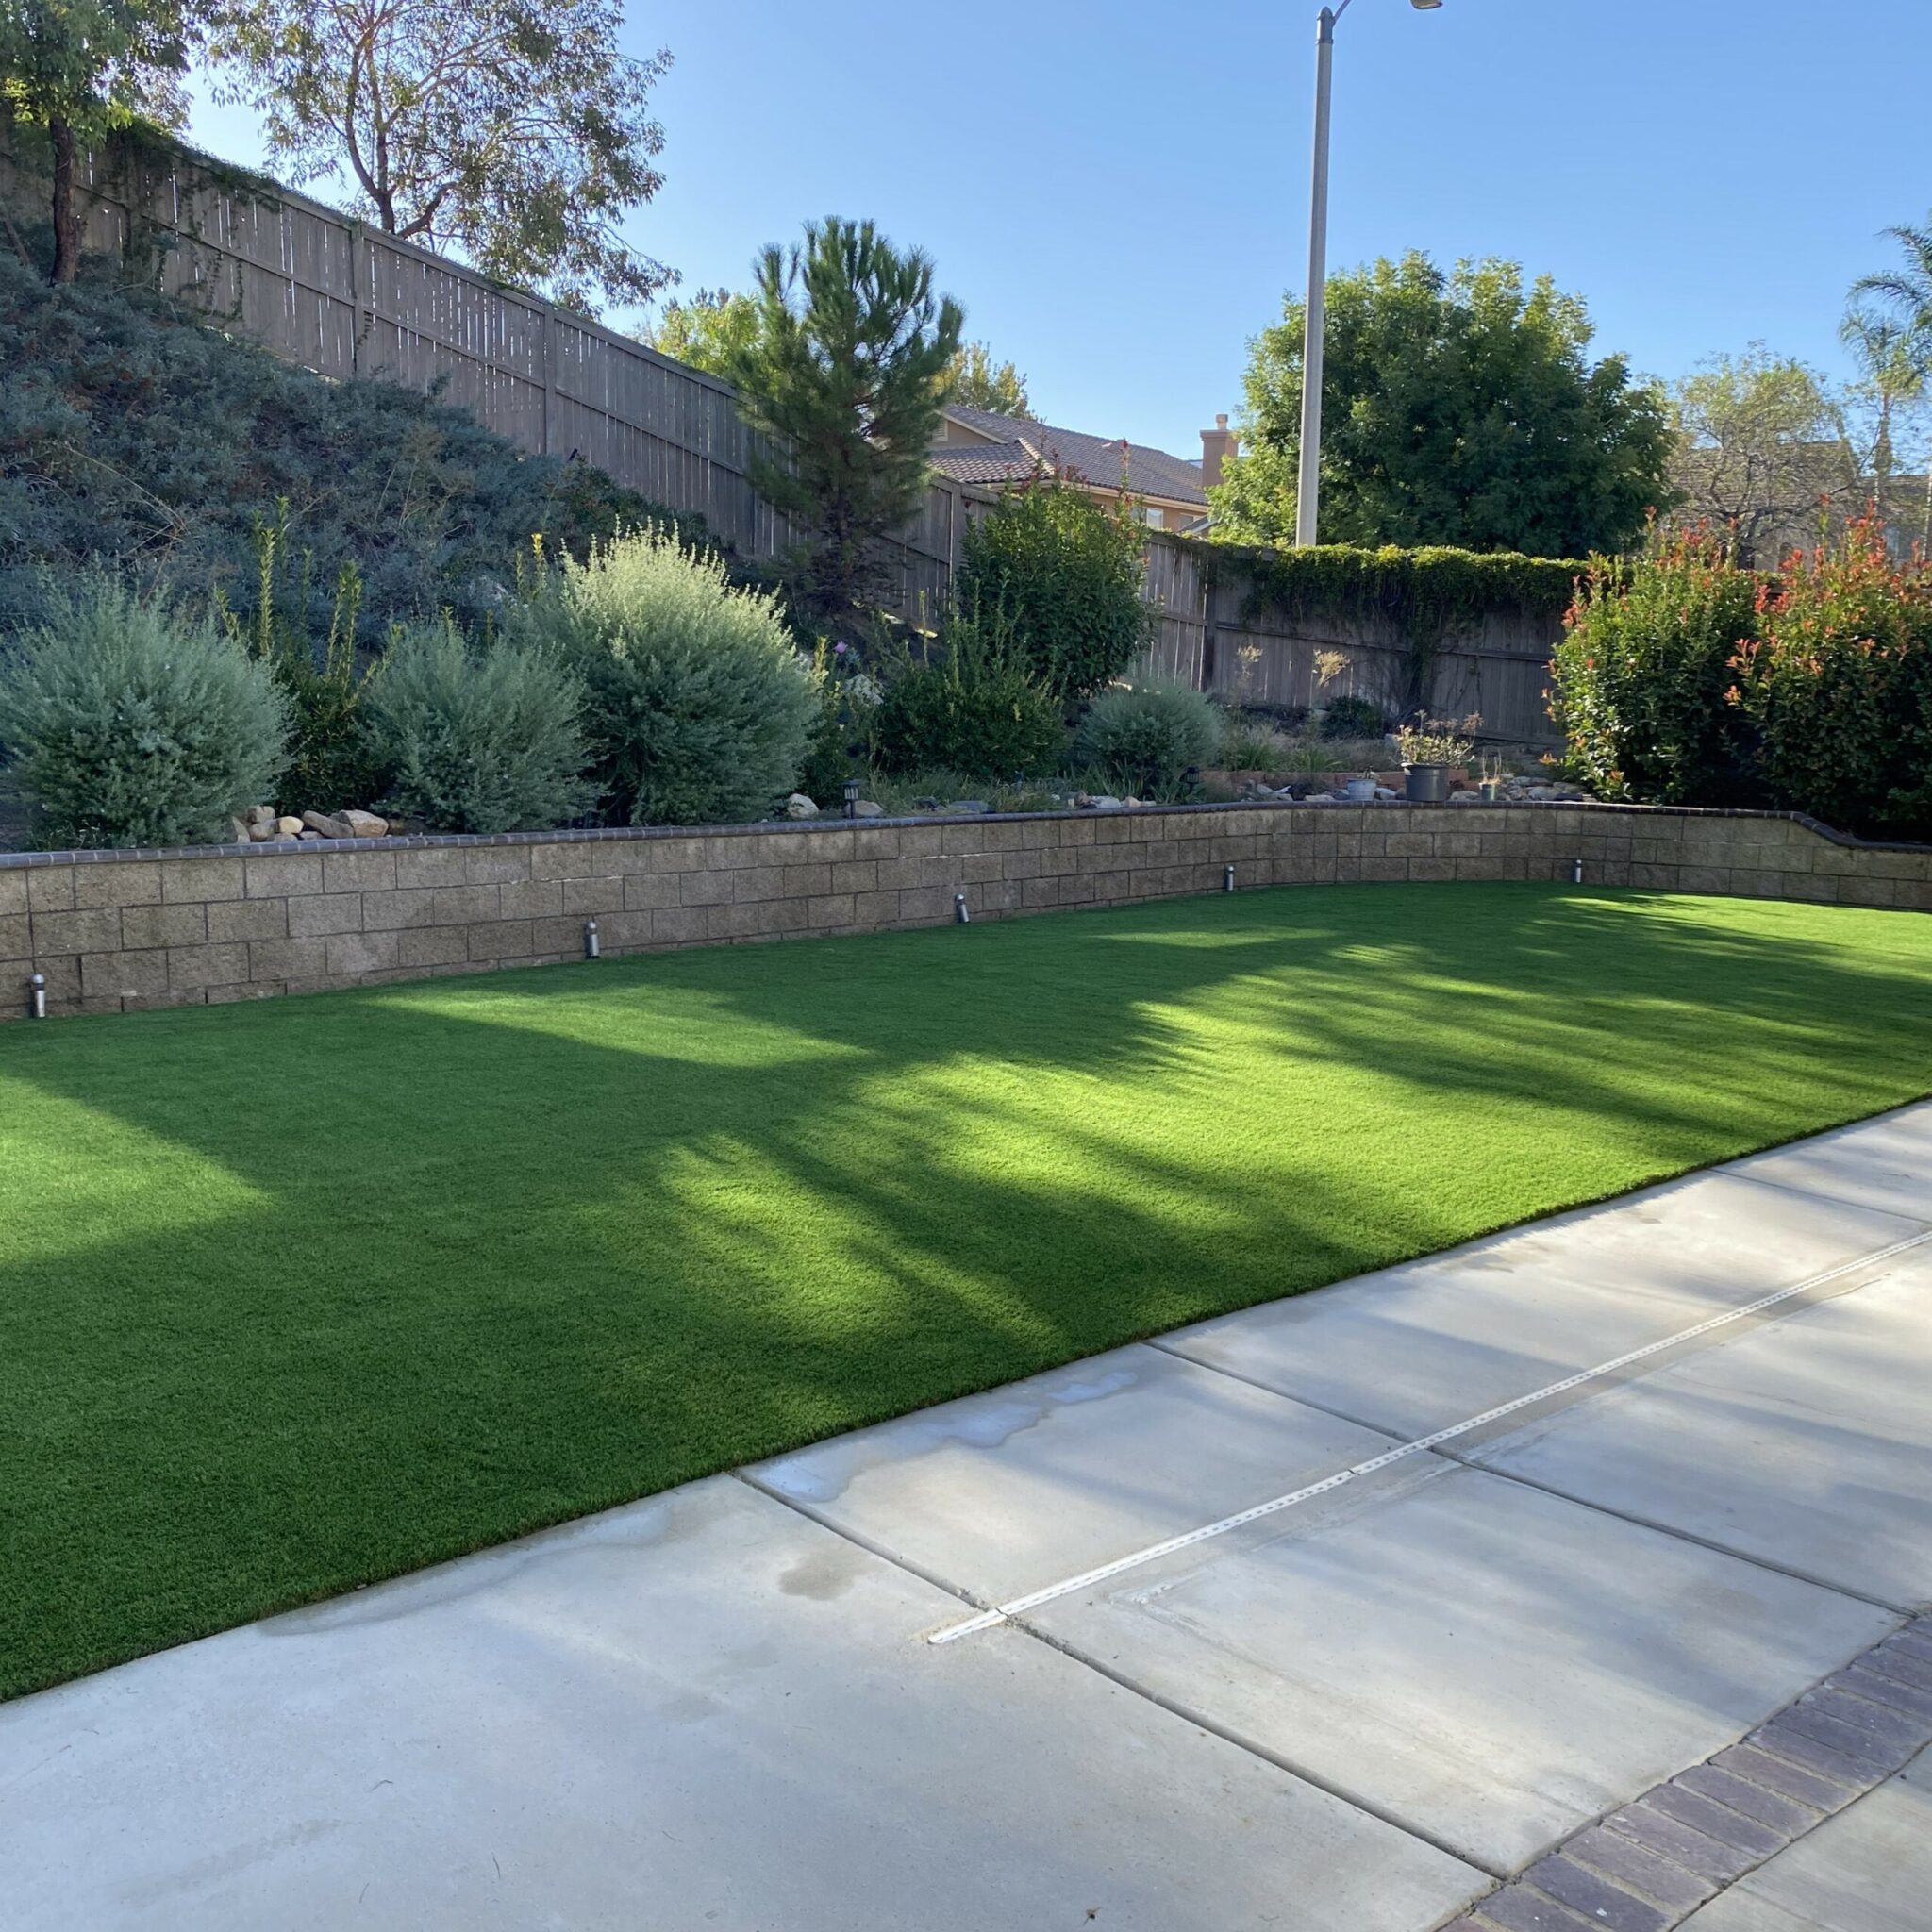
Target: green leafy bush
{"x": 1065, "y": 571}
{"x": 1144, "y": 741}
{"x": 1438, "y": 741}
{"x": 1837, "y": 683}
{"x": 1687, "y": 680}
{"x": 125, "y": 722}
{"x": 133, "y": 435}
{"x": 1640, "y": 681}
{"x": 699, "y": 709}
{"x": 973, "y": 706}
{"x": 1354, "y": 717}
{"x": 476, "y": 739}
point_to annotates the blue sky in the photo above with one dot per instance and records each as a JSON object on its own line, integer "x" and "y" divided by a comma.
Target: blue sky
{"x": 1119, "y": 194}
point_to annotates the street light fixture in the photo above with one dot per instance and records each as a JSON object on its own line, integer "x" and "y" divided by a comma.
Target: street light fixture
{"x": 1307, "y": 498}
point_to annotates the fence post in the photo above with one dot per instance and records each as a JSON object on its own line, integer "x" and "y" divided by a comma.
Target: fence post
{"x": 549, "y": 379}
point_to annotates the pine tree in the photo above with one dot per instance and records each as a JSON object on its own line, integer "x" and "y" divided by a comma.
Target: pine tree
{"x": 846, "y": 372}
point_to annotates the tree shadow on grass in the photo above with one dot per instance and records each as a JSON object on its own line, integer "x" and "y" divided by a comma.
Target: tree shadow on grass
{"x": 427, "y": 1266}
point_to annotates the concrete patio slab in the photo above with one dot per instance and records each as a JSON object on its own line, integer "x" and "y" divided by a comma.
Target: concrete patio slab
{"x": 701, "y": 1711}
{"x": 1486, "y": 1664}
{"x": 1884, "y": 1164}
{"x": 1000, "y": 1493}
{"x": 1414, "y": 1348}
{"x": 1806, "y": 1443}
{"x": 1866, "y": 1870}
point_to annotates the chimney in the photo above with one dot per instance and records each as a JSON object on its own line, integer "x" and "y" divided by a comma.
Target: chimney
{"x": 1217, "y": 445}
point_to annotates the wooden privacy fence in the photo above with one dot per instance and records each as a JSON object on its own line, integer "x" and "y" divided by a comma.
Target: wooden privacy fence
{"x": 319, "y": 289}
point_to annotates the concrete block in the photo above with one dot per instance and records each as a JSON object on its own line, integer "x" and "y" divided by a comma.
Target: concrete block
{"x": 186, "y": 881}
{"x": 281, "y": 875}
{"x": 463, "y": 905}
{"x": 134, "y": 883}
{"x": 359, "y": 872}
{"x": 438, "y": 865}
{"x": 348, "y": 955}
{"x": 288, "y": 959}
{"x": 116, "y": 976}
{"x": 587, "y": 897}
{"x": 246, "y": 919}
{"x": 197, "y": 967}
{"x": 13, "y": 892}
{"x": 50, "y": 888}
{"x": 500, "y": 939}
{"x": 332, "y": 912}
{"x": 98, "y": 931}
{"x": 644, "y": 892}
{"x": 532, "y": 899}
{"x": 163, "y": 926}
{"x": 496, "y": 865}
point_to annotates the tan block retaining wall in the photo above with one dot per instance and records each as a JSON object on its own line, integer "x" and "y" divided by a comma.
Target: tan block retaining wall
{"x": 118, "y": 930}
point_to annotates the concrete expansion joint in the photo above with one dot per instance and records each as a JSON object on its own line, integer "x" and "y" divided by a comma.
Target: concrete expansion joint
{"x": 1649, "y": 1865}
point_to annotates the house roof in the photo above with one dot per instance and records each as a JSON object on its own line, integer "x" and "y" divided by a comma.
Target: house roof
{"x": 1016, "y": 446}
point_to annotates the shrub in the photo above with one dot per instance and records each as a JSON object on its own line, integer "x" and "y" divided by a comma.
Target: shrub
{"x": 131, "y": 434}
{"x": 1837, "y": 684}
{"x": 1640, "y": 677}
{"x": 481, "y": 738}
{"x": 974, "y": 707}
{"x": 125, "y": 722}
{"x": 1144, "y": 740}
{"x": 1354, "y": 717}
{"x": 329, "y": 765}
{"x": 1438, "y": 741}
{"x": 1250, "y": 742}
{"x": 1065, "y": 570}
{"x": 699, "y": 709}
{"x": 841, "y": 730}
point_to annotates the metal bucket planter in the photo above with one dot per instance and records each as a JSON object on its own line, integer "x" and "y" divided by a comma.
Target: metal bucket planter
{"x": 1427, "y": 784}
{"x": 1362, "y": 791}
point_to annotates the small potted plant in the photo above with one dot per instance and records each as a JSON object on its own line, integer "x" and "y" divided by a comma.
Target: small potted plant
{"x": 1434, "y": 750}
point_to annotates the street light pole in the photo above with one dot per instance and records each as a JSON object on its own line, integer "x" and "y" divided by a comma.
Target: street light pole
{"x": 1308, "y": 490}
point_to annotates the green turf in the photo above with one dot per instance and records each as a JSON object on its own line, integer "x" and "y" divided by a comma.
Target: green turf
{"x": 297, "y": 1295}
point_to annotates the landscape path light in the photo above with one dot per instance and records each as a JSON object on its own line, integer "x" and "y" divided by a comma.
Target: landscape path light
{"x": 1308, "y": 493}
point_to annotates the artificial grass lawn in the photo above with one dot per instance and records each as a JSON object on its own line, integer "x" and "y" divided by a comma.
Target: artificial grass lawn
{"x": 298, "y": 1295}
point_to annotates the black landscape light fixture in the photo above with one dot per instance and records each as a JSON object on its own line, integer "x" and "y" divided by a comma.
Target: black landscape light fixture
{"x": 960, "y": 914}
{"x": 852, "y": 789}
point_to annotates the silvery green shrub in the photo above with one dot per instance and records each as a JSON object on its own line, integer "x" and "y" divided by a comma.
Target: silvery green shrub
{"x": 124, "y": 721}
{"x": 1144, "y": 740}
{"x": 485, "y": 738}
{"x": 699, "y": 707}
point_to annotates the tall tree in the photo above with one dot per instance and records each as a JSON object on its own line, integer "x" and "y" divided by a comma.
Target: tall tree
{"x": 981, "y": 383}
{"x": 847, "y": 373}
{"x": 1458, "y": 409}
{"x": 73, "y": 67}
{"x": 516, "y": 132}
{"x": 1899, "y": 300}
{"x": 704, "y": 329}
{"x": 1763, "y": 453}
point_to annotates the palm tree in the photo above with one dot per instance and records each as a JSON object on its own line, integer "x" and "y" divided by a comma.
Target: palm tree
{"x": 1890, "y": 325}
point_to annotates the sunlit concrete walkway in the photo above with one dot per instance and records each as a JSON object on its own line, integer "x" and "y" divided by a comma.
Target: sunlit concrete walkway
{"x": 1357, "y": 1712}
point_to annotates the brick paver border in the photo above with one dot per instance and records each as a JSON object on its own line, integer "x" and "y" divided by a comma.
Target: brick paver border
{"x": 1648, "y": 1866}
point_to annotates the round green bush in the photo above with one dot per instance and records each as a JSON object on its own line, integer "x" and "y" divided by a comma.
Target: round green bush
{"x": 1144, "y": 741}
{"x": 1354, "y": 717}
{"x": 1065, "y": 571}
{"x": 476, "y": 740}
{"x": 974, "y": 707}
{"x": 125, "y": 722}
{"x": 699, "y": 709}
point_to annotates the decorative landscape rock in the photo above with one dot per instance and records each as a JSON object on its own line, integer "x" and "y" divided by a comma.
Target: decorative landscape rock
{"x": 287, "y": 828}
{"x": 866, "y": 808}
{"x": 799, "y": 806}
{"x": 325, "y": 825}
{"x": 364, "y": 824}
